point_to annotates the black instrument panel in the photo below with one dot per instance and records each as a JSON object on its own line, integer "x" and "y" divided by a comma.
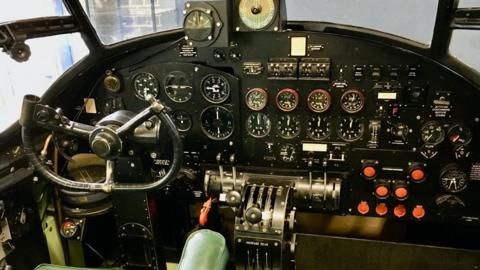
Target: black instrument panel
{"x": 402, "y": 128}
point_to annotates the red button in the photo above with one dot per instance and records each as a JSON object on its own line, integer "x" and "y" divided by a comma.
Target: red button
{"x": 418, "y": 212}
{"x": 399, "y": 211}
{"x": 369, "y": 172}
{"x": 417, "y": 175}
{"x": 381, "y": 209}
{"x": 401, "y": 192}
{"x": 381, "y": 191}
{"x": 363, "y": 208}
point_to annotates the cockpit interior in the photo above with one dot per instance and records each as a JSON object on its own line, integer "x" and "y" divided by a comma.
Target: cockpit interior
{"x": 240, "y": 137}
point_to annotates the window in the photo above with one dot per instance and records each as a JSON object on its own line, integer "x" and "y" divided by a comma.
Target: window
{"x": 412, "y": 19}
{"x": 50, "y": 57}
{"x": 465, "y": 45}
{"x": 468, "y": 3}
{"x": 118, "y": 20}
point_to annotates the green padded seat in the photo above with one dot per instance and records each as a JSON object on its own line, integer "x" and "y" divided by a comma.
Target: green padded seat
{"x": 204, "y": 250}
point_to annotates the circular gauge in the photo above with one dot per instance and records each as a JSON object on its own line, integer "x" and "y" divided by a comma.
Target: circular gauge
{"x": 217, "y": 123}
{"x": 350, "y": 129}
{"x": 453, "y": 179}
{"x": 318, "y": 127}
{"x": 288, "y": 126}
{"x": 319, "y": 100}
{"x": 432, "y": 133}
{"x": 287, "y": 100}
{"x": 177, "y": 87}
{"x": 183, "y": 121}
{"x": 198, "y": 25}
{"x": 258, "y": 125}
{"x": 256, "y": 99}
{"x": 257, "y": 14}
{"x": 459, "y": 135}
{"x": 145, "y": 84}
{"x": 352, "y": 101}
{"x": 461, "y": 152}
{"x": 215, "y": 88}
{"x": 287, "y": 153}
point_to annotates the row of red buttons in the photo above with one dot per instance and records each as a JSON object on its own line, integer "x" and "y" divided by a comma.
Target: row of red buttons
{"x": 416, "y": 174}
{"x": 399, "y": 211}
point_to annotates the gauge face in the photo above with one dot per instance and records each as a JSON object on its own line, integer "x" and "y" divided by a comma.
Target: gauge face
{"x": 432, "y": 133}
{"x": 453, "y": 178}
{"x": 352, "y": 101}
{"x": 258, "y": 125}
{"x": 350, "y": 129}
{"x": 182, "y": 120}
{"x": 288, "y": 126}
{"x": 287, "y": 153}
{"x": 318, "y": 127}
{"x": 257, "y": 14}
{"x": 217, "y": 123}
{"x": 145, "y": 84}
{"x": 462, "y": 151}
{"x": 287, "y": 100}
{"x": 178, "y": 88}
{"x": 319, "y": 100}
{"x": 198, "y": 25}
{"x": 256, "y": 99}
{"x": 215, "y": 88}
{"x": 460, "y": 135}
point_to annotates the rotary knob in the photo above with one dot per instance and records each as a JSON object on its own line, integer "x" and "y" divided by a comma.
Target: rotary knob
{"x": 253, "y": 215}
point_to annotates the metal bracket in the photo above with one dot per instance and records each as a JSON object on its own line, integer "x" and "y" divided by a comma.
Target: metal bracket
{"x": 466, "y": 18}
{"x": 14, "y": 34}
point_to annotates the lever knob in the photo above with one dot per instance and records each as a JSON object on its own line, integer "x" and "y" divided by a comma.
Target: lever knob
{"x": 253, "y": 215}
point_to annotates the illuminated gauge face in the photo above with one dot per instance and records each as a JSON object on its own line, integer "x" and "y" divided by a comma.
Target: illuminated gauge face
{"x": 257, "y": 14}
{"x": 288, "y": 126}
{"x": 352, "y": 101}
{"x": 287, "y": 100}
{"x": 256, "y": 99}
{"x": 318, "y": 127}
{"x": 287, "y": 153}
{"x": 453, "y": 178}
{"x": 198, "y": 26}
{"x": 258, "y": 125}
{"x": 69, "y": 229}
{"x": 432, "y": 133}
{"x": 319, "y": 100}
{"x": 459, "y": 135}
{"x": 145, "y": 84}
{"x": 350, "y": 129}
{"x": 178, "y": 88}
{"x": 217, "y": 123}
{"x": 215, "y": 88}
{"x": 183, "y": 121}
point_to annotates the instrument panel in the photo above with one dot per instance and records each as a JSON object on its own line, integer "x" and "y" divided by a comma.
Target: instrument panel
{"x": 400, "y": 130}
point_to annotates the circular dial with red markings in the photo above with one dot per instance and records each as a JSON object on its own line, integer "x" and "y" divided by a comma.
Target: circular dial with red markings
{"x": 319, "y": 100}
{"x": 256, "y": 99}
{"x": 287, "y": 99}
{"x": 352, "y": 101}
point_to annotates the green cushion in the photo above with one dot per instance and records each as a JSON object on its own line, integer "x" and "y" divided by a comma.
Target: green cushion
{"x": 59, "y": 267}
{"x": 204, "y": 250}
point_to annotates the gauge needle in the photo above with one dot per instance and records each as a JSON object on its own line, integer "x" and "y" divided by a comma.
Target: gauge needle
{"x": 288, "y": 120}
{"x": 258, "y": 119}
{"x": 319, "y": 121}
{"x": 217, "y": 115}
{"x": 351, "y": 123}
